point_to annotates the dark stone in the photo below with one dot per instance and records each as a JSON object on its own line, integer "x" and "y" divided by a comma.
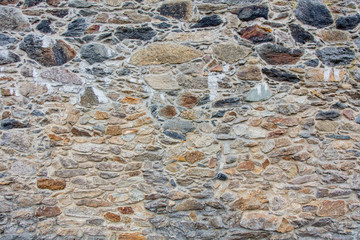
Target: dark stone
{"x": 123, "y": 72}
{"x": 7, "y": 57}
{"x": 22, "y": 236}
{"x": 222, "y": 176}
{"x": 328, "y": 115}
{"x": 339, "y": 105}
{"x": 177, "y": 10}
{"x": 280, "y": 75}
{"x": 208, "y": 21}
{"x": 76, "y": 28}
{"x": 335, "y": 56}
{"x": 322, "y": 222}
{"x": 89, "y": 98}
{"x": 31, "y": 3}
{"x": 100, "y": 72}
{"x": 312, "y": 63}
{"x": 339, "y": 137}
{"x": 357, "y": 120}
{"x": 252, "y": 12}
{"x": 60, "y": 13}
{"x": 257, "y": 34}
{"x": 228, "y": 102}
{"x": 162, "y": 25}
{"x": 44, "y": 26}
{"x": 95, "y": 52}
{"x": 80, "y": 132}
{"x": 175, "y": 135}
{"x": 5, "y": 39}
{"x": 348, "y": 22}
{"x": 204, "y": 101}
{"x": 253, "y": 235}
{"x": 143, "y": 33}
{"x": 37, "y": 113}
{"x": 313, "y": 13}
{"x": 12, "y": 123}
{"x": 278, "y": 55}
{"x": 300, "y": 34}
{"x": 95, "y": 221}
{"x": 218, "y": 114}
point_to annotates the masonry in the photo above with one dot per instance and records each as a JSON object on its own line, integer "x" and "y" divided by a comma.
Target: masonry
{"x": 155, "y": 120}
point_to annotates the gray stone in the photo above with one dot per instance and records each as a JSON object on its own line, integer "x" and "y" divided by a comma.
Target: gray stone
{"x": 179, "y": 125}
{"x": 68, "y": 173}
{"x": 5, "y": 39}
{"x": 61, "y": 75}
{"x": 252, "y": 12}
{"x": 12, "y": 19}
{"x": 22, "y": 236}
{"x": 142, "y": 33}
{"x": 23, "y": 167}
{"x": 327, "y": 115}
{"x": 95, "y": 52}
{"x": 20, "y": 141}
{"x": 336, "y": 56}
{"x": 7, "y": 57}
{"x": 89, "y": 98}
{"x": 314, "y": 13}
{"x": 76, "y": 28}
{"x": 260, "y": 92}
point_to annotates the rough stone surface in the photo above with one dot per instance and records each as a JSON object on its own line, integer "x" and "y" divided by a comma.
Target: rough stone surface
{"x": 12, "y": 20}
{"x": 252, "y": 12}
{"x": 336, "y": 56}
{"x": 314, "y": 13}
{"x": 95, "y": 53}
{"x": 300, "y": 34}
{"x": 144, "y": 33}
{"x": 230, "y": 52}
{"x": 278, "y": 55}
{"x": 260, "y": 92}
{"x": 7, "y": 57}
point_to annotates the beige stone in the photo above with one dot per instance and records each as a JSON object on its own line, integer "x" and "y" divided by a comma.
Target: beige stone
{"x": 327, "y": 75}
{"x": 161, "y": 82}
{"x": 249, "y": 73}
{"x": 203, "y": 36}
{"x": 334, "y": 35}
{"x": 230, "y": 52}
{"x": 326, "y": 125}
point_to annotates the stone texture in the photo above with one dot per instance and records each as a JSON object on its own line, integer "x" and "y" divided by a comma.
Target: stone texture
{"x": 259, "y": 221}
{"x": 300, "y": 34}
{"x": 314, "y": 13}
{"x": 278, "y": 55}
{"x": 176, "y": 9}
{"x": 46, "y": 211}
{"x": 5, "y": 39}
{"x": 12, "y": 20}
{"x": 348, "y": 22}
{"x": 61, "y": 75}
{"x": 230, "y": 52}
{"x": 52, "y": 184}
{"x": 257, "y": 34}
{"x": 95, "y": 53}
{"x": 336, "y": 56}
{"x": 332, "y": 208}
{"x": 144, "y": 33}
{"x": 249, "y": 73}
{"x": 280, "y": 75}
{"x": 161, "y": 82}
{"x": 260, "y": 92}
{"x": 209, "y": 21}
{"x": 7, "y": 57}
{"x": 252, "y": 12}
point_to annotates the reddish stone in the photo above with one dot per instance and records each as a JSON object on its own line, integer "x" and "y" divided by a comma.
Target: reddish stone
{"x": 277, "y": 133}
{"x": 112, "y": 217}
{"x": 55, "y": 137}
{"x": 46, "y": 211}
{"x": 249, "y": 72}
{"x": 193, "y": 156}
{"x": 286, "y": 151}
{"x": 113, "y": 130}
{"x": 188, "y": 100}
{"x": 52, "y": 184}
{"x": 266, "y": 163}
{"x": 93, "y": 203}
{"x": 257, "y": 34}
{"x": 332, "y": 208}
{"x": 288, "y": 121}
{"x": 79, "y": 132}
{"x": 349, "y": 114}
{"x": 6, "y": 114}
{"x": 6, "y": 2}
{"x": 246, "y": 166}
{"x": 130, "y": 100}
{"x": 135, "y": 116}
{"x": 101, "y": 115}
{"x": 217, "y": 68}
{"x": 131, "y": 236}
{"x": 92, "y": 29}
{"x": 277, "y": 55}
{"x": 282, "y": 142}
{"x": 212, "y": 162}
{"x": 168, "y": 111}
{"x": 126, "y": 210}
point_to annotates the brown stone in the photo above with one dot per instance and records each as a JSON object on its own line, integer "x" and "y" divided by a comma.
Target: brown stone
{"x": 188, "y": 100}
{"x": 277, "y": 133}
{"x": 101, "y": 115}
{"x": 131, "y": 236}
{"x": 277, "y": 55}
{"x": 200, "y": 172}
{"x": 257, "y": 34}
{"x": 334, "y": 36}
{"x": 164, "y": 53}
{"x": 326, "y": 125}
{"x": 259, "y": 221}
{"x": 287, "y": 121}
{"x": 47, "y": 211}
{"x": 266, "y": 163}
{"x": 282, "y": 142}
{"x": 112, "y": 217}
{"x": 250, "y": 72}
{"x": 29, "y": 89}
{"x": 286, "y": 151}
{"x": 189, "y": 205}
{"x": 131, "y": 100}
{"x": 126, "y": 210}
{"x": 327, "y": 75}
{"x": 285, "y": 226}
{"x": 93, "y": 203}
{"x": 231, "y": 52}
{"x": 251, "y": 200}
{"x": 80, "y": 132}
{"x": 332, "y": 208}
{"x": 6, "y": 2}
{"x": 246, "y": 166}
{"x": 113, "y": 130}
{"x": 168, "y": 111}
{"x": 52, "y": 184}
{"x": 61, "y": 75}
{"x": 193, "y": 156}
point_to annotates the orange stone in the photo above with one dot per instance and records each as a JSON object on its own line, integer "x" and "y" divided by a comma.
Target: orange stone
{"x": 113, "y": 130}
{"x": 92, "y": 29}
{"x": 52, "y": 184}
{"x": 55, "y": 137}
{"x": 285, "y": 226}
{"x": 101, "y": 115}
{"x": 126, "y": 210}
{"x": 332, "y": 208}
{"x": 131, "y": 100}
{"x": 188, "y": 100}
{"x": 246, "y": 166}
{"x": 131, "y": 236}
{"x": 193, "y": 156}
{"x": 112, "y": 217}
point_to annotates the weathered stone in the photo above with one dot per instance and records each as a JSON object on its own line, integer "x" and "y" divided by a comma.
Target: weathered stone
{"x": 252, "y": 12}
{"x": 208, "y": 21}
{"x": 94, "y": 203}
{"x": 96, "y": 53}
{"x": 17, "y": 140}
{"x": 259, "y": 220}
{"x": 278, "y": 55}
{"x": 348, "y": 22}
{"x": 188, "y": 100}
{"x": 114, "y": 130}
{"x": 179, "y": 125}
{"x": 327, "y": 75}
{"x": 336, "y": 56}
{"x": 9, "y": 123}
{"x": 126, "y": 210}
{"x": 7, "y": 57}
{"x": 61, "y": 75}
{"x": 112, "y": 217}
{"x": 68, "y": 173}
{"x": 176, "y": 9}
{"x": 327, "y": 115}
{"x": 162, "y": 81}
{"x": 349, "y": 114}
{"x": 189, "y": 205}
{"x": 257, "y": 34}
{"x": 314, "y": 13}
{"x": 168, "y": 111}
{"x": 286, "y": 151}
{"x": 249, "y": 72}
{"x": 131, "y": 236}
{"x": 12, "y": 19}
{"x": 47, "y": 211}
{"x": 260, "y": 92}
{"x": 76, "y": 28}
{"x": 164, "y": 53}
{"x": 227, "y": 102}
{"x": 326, "y": 125}
{"x": 334, "y": 36}
{"x": 300, "y": 34}
{"x": 89, "y": 98}
{"x": 51, "y": 184}
{"x": 47, "y": 51}
{"x": 23, "y": 167}
{"x": 175, "y": 135}
{"x": 285, "y": 226}
{"x": 246, "y": 166}
{"x": 280, "y": 75}
{"x": 250, "y": 200}
{"x": 200, "y": 172}
{"x": 109, "y": 166}
{"x": 332, "y": 208}
{"x": 143, "y": 33}
{"x": 193, "y": 156}
{"x": 5, "y": 40}
{"x": 230, "y": 52}
{"x": 44, "y": 26}
{"x": 31, "y": 3}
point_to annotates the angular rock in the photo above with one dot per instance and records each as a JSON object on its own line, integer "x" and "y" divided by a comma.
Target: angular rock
{"x": 161, "y": 81}
{"x": 142, "y": 33}
{"x": 348, "y": 22}
{"x": 313, "y": 13}
{"x": 251, "y": 200}
{"x": 252, "y": 12}
{"x": 131, "y": 236}
{"x": 246, "y": 166}
{"x": 257, "y": 34}
{"x": 12, "y": 20}
{"x": 8, "y": 124}
{"x": 277, "y": 55}
{"x": 188, "y": 100}
{"x": 44, "y": 26}
{"x": 336, "y": 56}
{"x": 164, "y": 53}
{"x": 231, "y": 52}
{"x": 176, "y": 9}
{"x": 76, "y": 28}
{"x": 259, "y": 221}
{"x": 334, "y": 36}
{"x": 7, "y": 57}
{"x": 31, "y": 3}
{"x": 327, "y": 115}
{"x": 48, "y": 211}
{"x": 179, "y": 125}
{"x": 126, "y": 210}
{"x": 5, "y": 40}
{"x": 18, "y": 140}
{"x": 175, "y": 135}
{"x": 23, "y": 167}
{"x": 286, "y": 151}
{"x": 61, "y": 75}
{"x": 327, "y": 75}
{"x": 51, "y": 184}
{"x": 194, "y": 156}
{"x": 227, "y": 102}
{"x": 189, "y": 205}
{"x": 332, "y": 208}
{"x": 94, "y": 203}
{"x": 47, "y": 51}
{"x": 95, "y": 53}
{"x": 260, "y": 92}
{"x": 208, "y": 21}
{"x": 300, "y": 34}
{"x": 168, "y": 111}
{"x": 250, "y": 72}
{"x": 280, "y": 75}
{"x": 89, "y": 98}
{"x": 114, "y": 130}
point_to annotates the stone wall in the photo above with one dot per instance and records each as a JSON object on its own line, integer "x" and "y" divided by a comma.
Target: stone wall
{"x": 205, "y": 119}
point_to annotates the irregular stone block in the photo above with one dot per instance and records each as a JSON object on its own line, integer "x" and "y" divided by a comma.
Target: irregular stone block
{"x": 257, "y": 34}
{"x": 277, "y": 55}
{"x": 230, "y": 52}
{"x": 259, "y": 221}
{"x": 12, "y": 20}
{"x": 208, "y": 21}
{"x": 51, "y": 184}
{"x": 314, "y": 13}
{"x": 300, "y": 35}
{"x": 176, "y": 9}
{"x": 336, "y": 56}
{"x": 252, "y": 12}
{"x": 96, "y": 53}
{"x": 143, "y": 33}
{"x": 48, "y": 211}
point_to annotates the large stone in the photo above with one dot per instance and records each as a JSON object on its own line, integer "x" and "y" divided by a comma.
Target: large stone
{"x": 95, "y": 52}
{"x": 259, "y": 221}
{"x": 336, "y": 56}
{"x": 334, "y": 35}
{"x": 208, "y": 21}
{"x": 61, "y": 75}
{"x": 52, "y": 184}
{"x": 327, "y": 75}
{"x": 251, "y": 200}
{"x": 193, "y": 156}
{"x": 20, "y": 141}
{"x": 327, "y": 115}
{"x": 162, "y": 82}
{"x": 23, "y": 167}
{"x": 183, "y": 126}
{"x": 348, "y": 22}
{"x": 277, "y": 55}
{"x": 68, "y": 173}
{"x": 260, "y": 92}
{"x": 249, "y": 72}
{"x": 189, "y": 205}
{"x": 164, "y": 53}
{"x": 76, "y": 28}
{"x": 92, "y": 96}
{"x": 330, "y": 208}
{"x": 12, "y": 20}
{"x": 252, "y": 12}
{"x": 47, "y": 51}
{"x": 9, "y": 123}
{"x": 7, "y": 57}
{"x": 30, "y": 89}
{"x": 230, "y": 52}
{"x": 300, "y": 34}
{"x": 257, "y": 34}
{"x": 142, "y": 33}
{"x": 176, "y": 9}
{"x": 131, "y": 236}
{"x": 280, "y": 75}
{"x": 314, "y": 13}
{"x": 48, "y": 211}
{"x": 5, "y": 39}
{"x": 44, "y": 26}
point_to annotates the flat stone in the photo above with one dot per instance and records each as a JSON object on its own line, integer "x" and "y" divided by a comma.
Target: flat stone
{"x": 112, "y": 217}
{"x": 330, "y": 208}
{"x": 162, "y": 81}
{"x": 277, "y": 55}
{"x": 89, "y": 98}
{"x": 194, "y": 156}
{"x": 200, "y": 172}
{"x": 300, "y": 35}
{"x": 230, "y": 52}
{"x": 313, "y": 13}
{"x": 51, "y": 184}
{"x": 227, "y": 102}
{"x": 252, "y": 12}
{"x": 31, "y": 3}
{"x": 76, "y": 28}
{"x": 176, "y": 9}
{"x": 175, "y": 135}
{"x": 125, "y": 210}
{"x": 7, "y": 57}
{"x": 208, "y": 21}
{"x": 199, "y": 36}
{"x": 326, "y": 75}
{"x": 114, "y": 130}
{"x": 164, "y": 53}
{"x": 246, "y": 166}
{"x": 327, "y": 115}
{"x": 188, "y": 100}
{"x": 131, "y": 236}
{"x": 189, "y": 205}
{"x": 5, "y": 40}
{"x": 334, "y": 35}
{"x": 257, "y": 34}
{"x": 110, "y": 166}
{"x": 349, "y": 114}
{"x": 250, "y": 200}
{"x": 68, "y": 173}
{"x": 326, "y": 125}
{"x": 260, "y": 92}
{"x": 47, "y": 51}
{"x": 357, "y": 120}
{"x": 280, "y": 75}
{"x": 94, "y": 203}
{"x": 168, "y": 111}
{"x": 48, "y": 211}
{"x": 23, "y": 168}
{"x": 348, "y": 22}
{"x": 142, "y": 33}
{"x": 249, "y": 72}
{"x": 44, "y": 26}
{"x": 183, "y": 126}
{"x": 96, "y": 53}
{"x": 286, "y": 151}
{"x": 61, "y": 75}
{"x": 17, "y": 140}
{"x": 259, "y": 221}
{"x": 9, "y": 123}
{"x": 12, "y": 20}
{"x": 335, "y": 56}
